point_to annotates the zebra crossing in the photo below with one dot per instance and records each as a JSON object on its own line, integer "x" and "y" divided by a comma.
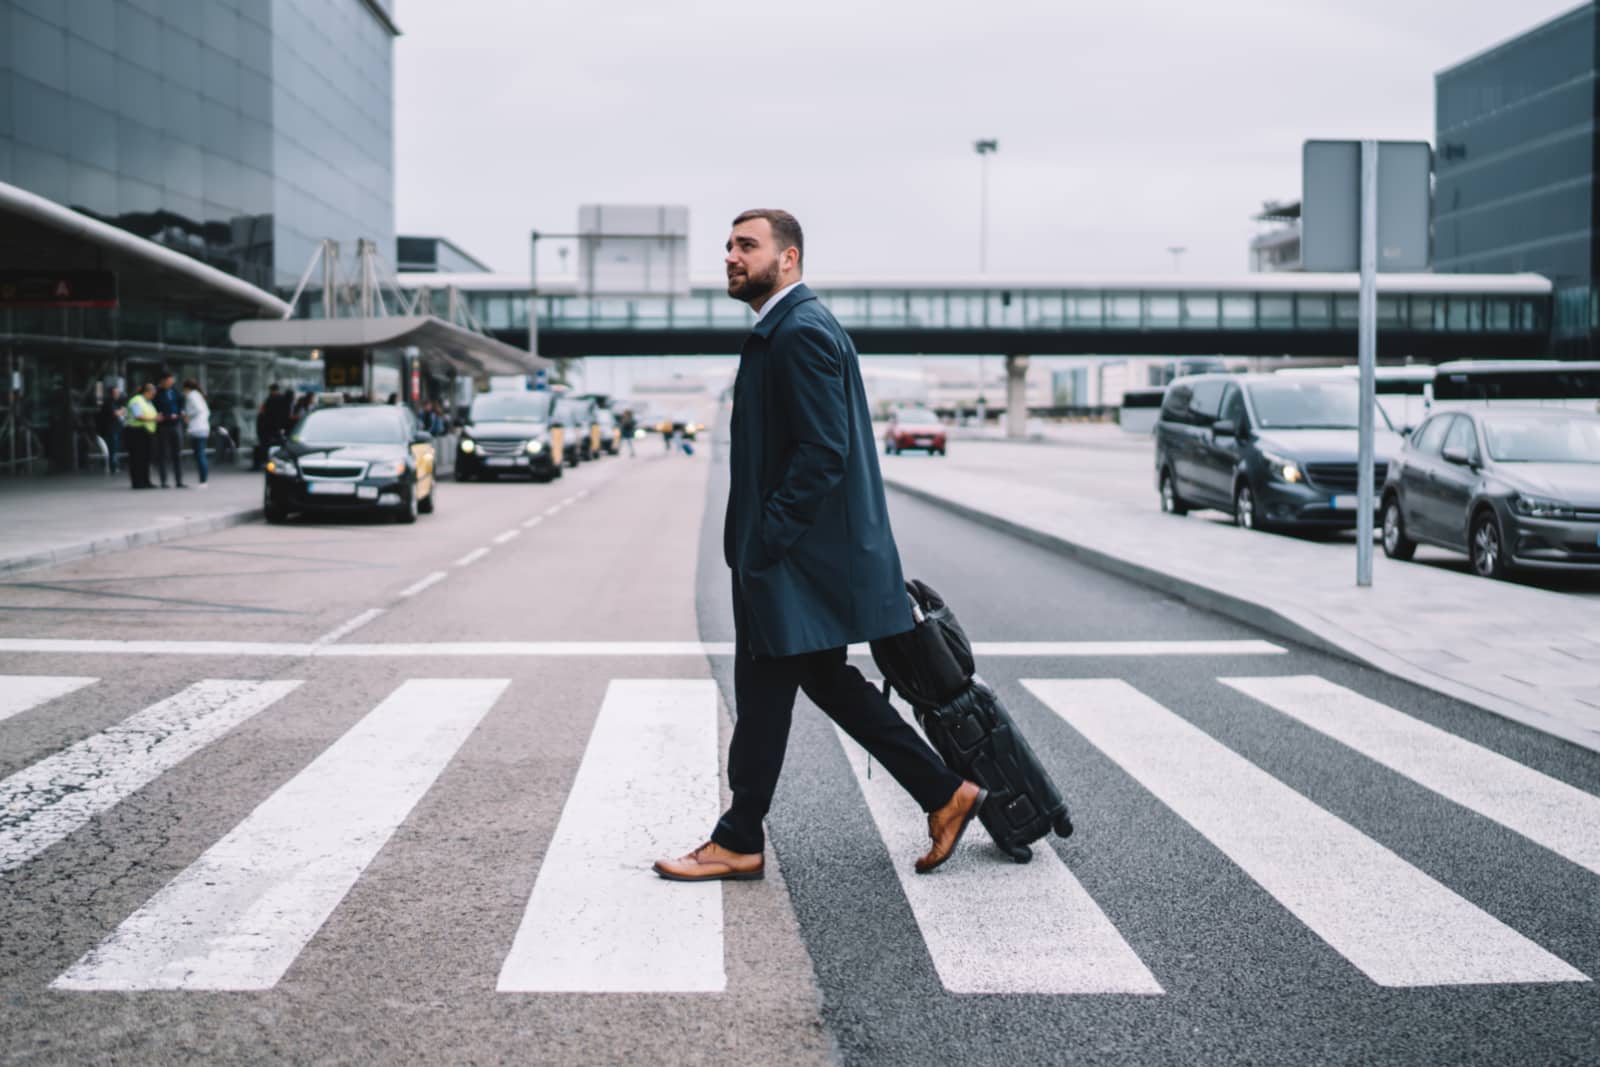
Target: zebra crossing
{"x": 596, "y": 921}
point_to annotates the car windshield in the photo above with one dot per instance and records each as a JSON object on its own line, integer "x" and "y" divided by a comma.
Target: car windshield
{"x": 1308, "y": 405}
{"x": 352, "y": 426}
{"x": 919, "y": 416}
{"x": 511, "y": 407}
{"x": 1543, "y": 439}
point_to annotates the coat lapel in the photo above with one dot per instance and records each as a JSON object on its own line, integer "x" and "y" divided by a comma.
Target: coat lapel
{"x": 769, "y": 322}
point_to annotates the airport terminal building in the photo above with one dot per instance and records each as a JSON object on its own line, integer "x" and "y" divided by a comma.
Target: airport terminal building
{"x": 166, "y": 169}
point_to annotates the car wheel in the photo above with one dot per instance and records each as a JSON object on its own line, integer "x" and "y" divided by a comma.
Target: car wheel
{"x": 275, "y": 514}
{"x": 1171, "y": 502}
{"x": 938, "y": 451}
{"x": 1396, "y": 545}
{"x": 888, "y": 448}
{"x": 1244, "y": 508}
{"x": 425, "y": 506}
{"x": 1487, "y": 547}
{"x": 462, "y": 476}
{"x": 408, "y": 514}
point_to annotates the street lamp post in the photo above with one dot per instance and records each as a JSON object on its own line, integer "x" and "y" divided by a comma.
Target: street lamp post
{"x": 985, "y": 149}
{"x": 1177, "y": 252}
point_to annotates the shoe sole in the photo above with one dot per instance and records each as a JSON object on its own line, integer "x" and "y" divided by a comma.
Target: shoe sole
{"x": 972, "y": 813}
{"x": 731, "y": 876}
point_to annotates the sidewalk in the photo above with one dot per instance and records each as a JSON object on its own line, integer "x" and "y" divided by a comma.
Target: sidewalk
{"x": 1527, "y": 653}
{"x": 51, "y": 519}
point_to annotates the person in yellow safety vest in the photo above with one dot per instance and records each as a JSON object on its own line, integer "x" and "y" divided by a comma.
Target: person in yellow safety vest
{"x": 141, "y": 423}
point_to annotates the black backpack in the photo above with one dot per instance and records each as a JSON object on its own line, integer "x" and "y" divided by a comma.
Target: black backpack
{"x": 931, "y": 664}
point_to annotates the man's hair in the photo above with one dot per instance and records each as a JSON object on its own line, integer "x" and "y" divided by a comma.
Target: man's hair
{"x": 785, "y": 229}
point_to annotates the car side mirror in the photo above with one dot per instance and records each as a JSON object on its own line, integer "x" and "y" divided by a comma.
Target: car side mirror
{"x": 422, "y": 437}
{"x": 1457, "y": 455}
{"x": 1224, "y": 428}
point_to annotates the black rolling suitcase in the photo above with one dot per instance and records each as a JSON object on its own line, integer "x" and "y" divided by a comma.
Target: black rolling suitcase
{"x": 932, "y": 668}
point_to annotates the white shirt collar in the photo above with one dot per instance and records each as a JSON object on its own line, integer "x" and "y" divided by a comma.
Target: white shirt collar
{"x": 772, "y": 301}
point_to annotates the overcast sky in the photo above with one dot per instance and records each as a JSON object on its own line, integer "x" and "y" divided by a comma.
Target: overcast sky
{"x": 1124, "y": 127}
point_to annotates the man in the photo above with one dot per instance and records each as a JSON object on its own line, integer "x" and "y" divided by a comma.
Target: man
{"x": 141, "y": 426}
{"x": 814, "y": 562}
{"x": 169, "y": 429}
{"x": 112, "y": 411}
{"x": 627, "y": 425}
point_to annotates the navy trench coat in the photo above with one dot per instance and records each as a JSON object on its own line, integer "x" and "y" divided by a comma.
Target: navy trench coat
{"x": 807, "y": 531}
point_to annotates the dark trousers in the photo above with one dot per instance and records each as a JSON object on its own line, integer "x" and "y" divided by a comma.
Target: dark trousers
{"x": 199, "y": 441}
{"x": 764, "y": 690}
{"x": 169, "y": 446}
{"x": 139, "y": 444}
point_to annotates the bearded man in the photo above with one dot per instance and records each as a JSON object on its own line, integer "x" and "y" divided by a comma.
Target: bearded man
{"x": 814, "y": 562}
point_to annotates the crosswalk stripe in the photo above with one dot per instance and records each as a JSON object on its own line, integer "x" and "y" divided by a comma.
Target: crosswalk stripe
{"x": 992, "y": 926}
{"x": 598, "y": 920}
{"x": 1562, "y": 818}
{"x": 239, "y": 915}
{"x": 44, "y": 802}
{"x": 21, "y": 692}
{"x": 1395, "y": 924}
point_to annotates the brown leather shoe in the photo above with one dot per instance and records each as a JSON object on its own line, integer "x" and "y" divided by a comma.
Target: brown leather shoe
{"x": 947, "y": 824}
{"x": 712, "y": 863}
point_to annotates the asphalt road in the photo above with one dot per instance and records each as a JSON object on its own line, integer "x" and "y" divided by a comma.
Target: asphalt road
{"x": 370, "y": 793}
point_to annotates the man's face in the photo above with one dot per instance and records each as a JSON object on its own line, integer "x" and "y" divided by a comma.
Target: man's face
{"x": 166, "y": 383}
{"x": 148, "y": 391}
{"x": 752, "y": 261}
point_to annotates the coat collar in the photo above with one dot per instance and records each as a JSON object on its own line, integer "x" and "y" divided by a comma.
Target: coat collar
{"x": 798, "y": 295}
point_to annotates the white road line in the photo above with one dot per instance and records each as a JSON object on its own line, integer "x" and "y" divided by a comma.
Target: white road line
{"x": 1563, "y": 819}
{"x": 1395, "y": 924}
{"x": 417, "y": 587}
{"x": 508, "y": 535}
{"x": 472, "y": 557}
{"x": 240, "y": 914}
{"x": 580, "y": 494}
{"x": 20, "y": 692}
{"x": 591, "y": 648}
{"x": 553, "y": 508}
{"x": 598, "y": 921}
{"x": 43, "y": 803}
{"x": 531, "y": 523}
{"x": 990, "y": 925}
{"x": 349, "y": 626}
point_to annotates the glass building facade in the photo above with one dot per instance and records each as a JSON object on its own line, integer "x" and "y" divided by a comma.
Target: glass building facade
{"x": 240, "y": 132}
{"x": 1515, "y": 167}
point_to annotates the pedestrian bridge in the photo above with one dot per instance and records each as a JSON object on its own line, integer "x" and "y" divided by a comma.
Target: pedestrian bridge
{"x": 1430, "y": 317}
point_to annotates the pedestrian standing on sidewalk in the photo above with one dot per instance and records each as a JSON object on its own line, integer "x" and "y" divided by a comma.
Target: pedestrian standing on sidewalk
{"x": 197, "y": 416}
{"x": 628, "y": 425}
{"x": 141, "y": 426}
{"x": 815, "y": 567}
{"x": 112, "y": 411}
{"x": 169, "y": 430}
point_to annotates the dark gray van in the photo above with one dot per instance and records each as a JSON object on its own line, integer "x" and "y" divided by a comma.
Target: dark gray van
{"x": 1277, "y": 451}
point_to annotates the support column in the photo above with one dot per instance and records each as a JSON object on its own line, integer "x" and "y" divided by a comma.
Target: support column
{"x": 1016, "y": 396}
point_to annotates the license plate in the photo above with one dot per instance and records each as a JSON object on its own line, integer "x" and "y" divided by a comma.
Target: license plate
{"x": 330, "y": 489}
{"x": 502, "y": 462}
{"x": 1345, "y": 502}
{"x": 367, "y": 492}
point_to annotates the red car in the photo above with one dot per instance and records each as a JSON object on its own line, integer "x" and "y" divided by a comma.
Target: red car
{"x": 914, "y": 429}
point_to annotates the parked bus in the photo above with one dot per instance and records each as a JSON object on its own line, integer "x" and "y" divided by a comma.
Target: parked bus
{"x": 1402, "y": 391}
{"x": 1537, "y": 382}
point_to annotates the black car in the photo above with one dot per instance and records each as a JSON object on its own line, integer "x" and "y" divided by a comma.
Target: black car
{"x": 352, "y": 458}
{"x": 1278, "y": 451}
{"x": 510, "y": 432}
{"x": 1510, "y": 488}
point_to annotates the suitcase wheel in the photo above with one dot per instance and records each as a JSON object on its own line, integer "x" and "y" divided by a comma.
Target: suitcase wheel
{"x": 1020, "y": 853}
{"x": 1063, "y": 825}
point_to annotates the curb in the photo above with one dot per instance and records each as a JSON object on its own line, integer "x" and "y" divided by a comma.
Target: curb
{"x": 104, "y": 546}
{"x": 1275, "y": 621}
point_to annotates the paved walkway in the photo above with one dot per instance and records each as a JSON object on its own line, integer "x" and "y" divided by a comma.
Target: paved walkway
{"x": 52, "y": 519}
{"x": 1528, "y": 652}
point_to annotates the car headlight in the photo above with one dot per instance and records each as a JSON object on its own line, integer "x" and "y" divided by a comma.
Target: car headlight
{"x": 1538, "y": 507}
{"x": 468, "y": 445}
{"x": 391, "y": 469}
{"x": 285, "y": 467}
{"x": 1285, "y": 470}
{"x": 535, "y": 447}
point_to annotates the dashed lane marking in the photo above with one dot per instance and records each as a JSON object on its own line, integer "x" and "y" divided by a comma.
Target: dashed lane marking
{"x": 508, "y": 535}
{"x": 598, "y": 921}
{"x": 240, "y": 914}
{"x": 424, "y": 583}
{"x": 1390, "y": 920}
{"x": 472, "y": 557}
{"x": 349, "y": 626}
{"x": 43, "y": 803}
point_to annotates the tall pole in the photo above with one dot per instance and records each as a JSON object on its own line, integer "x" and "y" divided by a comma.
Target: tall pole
{"x": 985, "y": 148}
{"x": 1177, "y": 256}
{"x": 1367, "y": 351}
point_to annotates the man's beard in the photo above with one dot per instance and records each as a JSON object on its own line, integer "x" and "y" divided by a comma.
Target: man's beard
{"x": 755, "y": 286}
